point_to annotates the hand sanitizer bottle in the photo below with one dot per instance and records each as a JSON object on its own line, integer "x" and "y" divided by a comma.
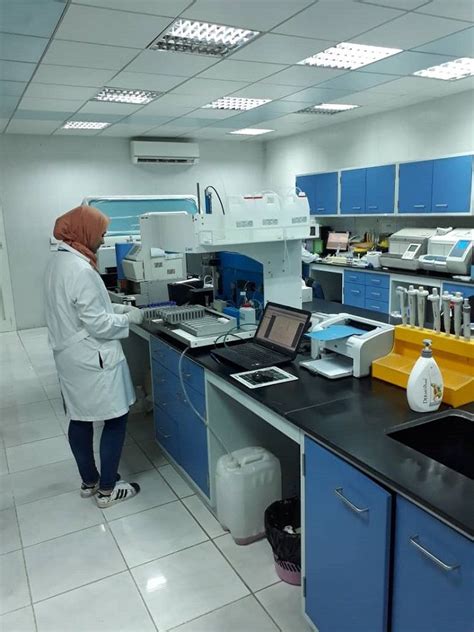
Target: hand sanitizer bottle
{"x": 425, "y": 384}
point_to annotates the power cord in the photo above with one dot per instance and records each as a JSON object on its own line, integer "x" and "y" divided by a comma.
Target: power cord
{"x": 218, "y": 196}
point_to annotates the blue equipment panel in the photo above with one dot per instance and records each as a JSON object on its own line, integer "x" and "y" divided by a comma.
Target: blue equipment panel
{"x": 239, "y": 272}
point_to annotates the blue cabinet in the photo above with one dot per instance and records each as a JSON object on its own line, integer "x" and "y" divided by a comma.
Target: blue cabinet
{"x": 369, "y": 290}
{"x": 415, "y": 185}
{"x": 347, "y": 538}
{"x": 368, "y": 191}
{"x": 466, "y": 290}
{"x": 433, "y": 582}
{"x": 321, "y": 191}
{"x": 178, "y": 428}
{"x": 353, "y": 191}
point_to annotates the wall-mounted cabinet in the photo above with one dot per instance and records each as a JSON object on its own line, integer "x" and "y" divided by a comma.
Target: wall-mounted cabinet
{"x": 368, "y": 191}
{"x": 321, "y": 191}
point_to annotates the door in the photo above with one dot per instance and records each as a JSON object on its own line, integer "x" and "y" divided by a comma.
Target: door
{"x": 7, "y": 314}
{"x": 380, "y": 193}
{"x": 452, "y": 179}
{"x": 353, "y": 191}
{"x": 415, "y": 187}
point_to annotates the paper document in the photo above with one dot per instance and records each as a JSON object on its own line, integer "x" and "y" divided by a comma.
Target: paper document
{"x": 334, "y": 332}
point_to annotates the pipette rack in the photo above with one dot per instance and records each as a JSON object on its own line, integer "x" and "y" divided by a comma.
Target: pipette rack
{"x": 454, "y": 356}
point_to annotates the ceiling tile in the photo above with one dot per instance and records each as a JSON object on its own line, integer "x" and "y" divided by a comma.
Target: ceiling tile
{"x": 261, "y": 15}
{"x": 166, "y": 131}
{"x": 8, "y": 105}
{"x": 316, "y": 95}
{"x": 169, "y": 8}
{"x": 76, "y": 132}
{"x": 149, "y": 120}
{"x": 212, "y": 114}
{"x": 241, "y": 70}
{"x": 406, "y": 5}
{"x": 355, "y": 80}
{"x": 165, "y": 107}
{"x": 165, "y": 62}
{"x": 338, "y": 20}
{"x": 124, "y": 131}
{"x": 409, "y": 31}
{"x": 209, "y": 88}
{"x": 145, "y": 81}
{"x": 88, "y": 55}
{"x": 411, "y": 85}
{"x": 457, "y": 9}
{"x": 190, "y": 122}
{"x": 280, "y": 49}
{"x": 11, "y": 88}
{"x": 49, "y": 105}
{"x": 3, "y": 123}
{"x": 25, "y": 126}
{"x": 104, "y": 107}
{"x": 21, "y": 47}
{"x": 459, "y": 44}
{"x": 302, "y": 76}
{"x": 103, "y": 26}
{"x": 266, "y": 91}
{"x": 16, "y": 70}
{"x": 105, "y": 118}
{"x": 30, "y": 17}
{"x": 406, "y": 63}
{"x": 47, "y": 73}
{"x": 189, "y": 101}
{"x": 41, "y": 115}
{"x": 53, "y": 91}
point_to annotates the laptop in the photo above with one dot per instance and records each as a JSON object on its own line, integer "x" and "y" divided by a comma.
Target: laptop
{"x": 276, "y": 340}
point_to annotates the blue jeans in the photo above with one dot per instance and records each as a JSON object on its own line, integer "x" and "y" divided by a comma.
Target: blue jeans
{"x": 81, "y": 434}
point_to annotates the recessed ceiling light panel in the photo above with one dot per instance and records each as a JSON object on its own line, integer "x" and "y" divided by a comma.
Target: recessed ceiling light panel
{"x": 328, "y": 108}
{"x": 348, "y": 56}
{"x": 202, "y": 38}
{"x": 84, "y": 125}
{"x": 117, "y": 95}
{"x": 251, "y": 131}
{"x": 450, "y": 71}
{"x": 235, "y": 103}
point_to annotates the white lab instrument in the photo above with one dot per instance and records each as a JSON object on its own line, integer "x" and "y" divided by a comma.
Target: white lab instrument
{"x": 106, "y": 256}
{"x": 348, "y": 354}
{"x": 373, "y": 258}
{"x": 421, "y": 304}
{"x": 459, "y": 257}
{"x": 247, "y": 482}
{"x": 442, "y": 247}
{"x": 412, "y": 301}
{"x": 457, "y": 301}
{"x": 402, "y": 293}
{"x": 466, "y": 319}
{"x": 446, "y": 299}
{"x": 435, "y": 301}
{"x": 266, "y": 227}
{"x": 405, "y": 248}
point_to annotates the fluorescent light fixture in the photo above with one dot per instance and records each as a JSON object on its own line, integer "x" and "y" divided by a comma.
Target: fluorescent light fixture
{"x": 235, "y": 103}
{"x": 202, "y": 38}
{"x": 328, "y": 108}
{"x": 450, "y": 71}
{"x": 117, "y": 95}
{"x": 348, "y": 56}
{"x": 84, "y": 125}
{"x": 251, "y": 131}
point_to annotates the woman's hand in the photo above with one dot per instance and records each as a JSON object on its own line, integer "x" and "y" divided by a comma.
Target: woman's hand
{"x": 135, "y": 315}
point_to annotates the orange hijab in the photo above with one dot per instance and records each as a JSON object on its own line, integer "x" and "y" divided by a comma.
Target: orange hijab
{"x": 81, "y": 229}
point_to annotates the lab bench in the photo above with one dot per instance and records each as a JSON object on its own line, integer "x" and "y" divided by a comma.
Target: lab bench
{"x": 364, "y": 495}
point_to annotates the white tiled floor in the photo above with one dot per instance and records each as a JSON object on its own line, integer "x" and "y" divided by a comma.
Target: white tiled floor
{"x": 158, "y": 562}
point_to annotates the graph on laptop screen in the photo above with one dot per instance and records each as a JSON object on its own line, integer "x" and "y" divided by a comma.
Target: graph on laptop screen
{"x": 281, "y": 327}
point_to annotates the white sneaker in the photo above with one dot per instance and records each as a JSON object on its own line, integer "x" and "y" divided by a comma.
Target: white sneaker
{"x": 122, "y": 491}
{"x": 89, "y": 490}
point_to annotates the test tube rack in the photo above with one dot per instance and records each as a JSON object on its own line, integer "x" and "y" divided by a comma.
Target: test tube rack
{"x": 454, "y": 356}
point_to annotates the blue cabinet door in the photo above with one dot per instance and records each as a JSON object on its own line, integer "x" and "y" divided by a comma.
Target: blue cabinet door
{"x": 465, "y": 290}
{"x": 167, "y": 433}
{"x": 353, "y": 191}
{"x": 194, "y": 451}
{"x": 347, "y": 536}
{"x": 354, "y": 294}
{"x": 433, "y": 585}
{"x": 452, "y": 179}
{"x": 415, "y": 187}
{"x": 321, "y": 191}
{"x": 380, "y": 190}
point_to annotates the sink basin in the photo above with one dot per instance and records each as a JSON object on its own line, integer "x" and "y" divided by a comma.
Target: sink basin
{"x": 446, "y": 437}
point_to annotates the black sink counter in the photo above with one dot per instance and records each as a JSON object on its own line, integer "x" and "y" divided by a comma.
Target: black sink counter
{"x": 351, "y": 417}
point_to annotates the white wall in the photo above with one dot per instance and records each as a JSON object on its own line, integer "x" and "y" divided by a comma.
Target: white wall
{"x": 43, "y": 177}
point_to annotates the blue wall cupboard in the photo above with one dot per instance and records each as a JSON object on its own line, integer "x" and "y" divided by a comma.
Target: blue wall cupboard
{"x": 321, "y": 191}
{"x": 368, "y": 191}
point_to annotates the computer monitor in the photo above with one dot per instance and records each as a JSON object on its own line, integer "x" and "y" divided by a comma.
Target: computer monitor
{"x": 282, "y": 327}
{"x": 337, "y": 241}
{"x": 181, "y": 291}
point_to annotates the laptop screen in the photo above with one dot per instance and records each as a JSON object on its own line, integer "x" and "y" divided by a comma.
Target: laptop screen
{"x": 282, "y": 326}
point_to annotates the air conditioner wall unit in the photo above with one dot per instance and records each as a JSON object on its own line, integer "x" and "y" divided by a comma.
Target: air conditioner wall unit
{"x": 167, "y": 152}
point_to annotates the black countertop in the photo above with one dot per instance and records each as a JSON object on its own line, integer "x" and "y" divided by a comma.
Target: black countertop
{"x": 351, "y": 416}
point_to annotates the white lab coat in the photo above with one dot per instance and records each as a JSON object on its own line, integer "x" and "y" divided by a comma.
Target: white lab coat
{"x": 84, "y": 334}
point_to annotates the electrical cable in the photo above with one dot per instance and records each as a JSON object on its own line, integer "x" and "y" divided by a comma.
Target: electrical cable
{"x": 218, "y": 196}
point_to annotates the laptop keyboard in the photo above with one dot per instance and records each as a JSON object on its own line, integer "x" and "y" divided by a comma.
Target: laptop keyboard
{"x": 254, "y": 353}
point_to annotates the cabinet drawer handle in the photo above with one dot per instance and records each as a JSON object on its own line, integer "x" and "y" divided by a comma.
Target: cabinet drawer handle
{"x": 372, "y": 207}
{"x": 320, "y": 208}
{"x": 165, "y": 436}
{"x": 187, "y": 375}
{"x": 162, "y": 404}
{"x": 376, "y": 308}
{"x": 375, "y": 281}
{"x": 356, "y": 208}
{"x": 355, "y": 291}
{"x": 441, "y": 205}
{"x": 418, "y": 206}
{"x": 376, "y": 294}
{"x": 339, "y": 494}
{"x": 446, "y": 567}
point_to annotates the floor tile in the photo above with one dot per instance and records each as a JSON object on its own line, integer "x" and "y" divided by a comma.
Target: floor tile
{"x": 26, "y": 412}
{"x": 156, "y": 532}
{"x": 153, "y": 452}
{"x": 109, "y": 605}
{"x": 31, "y": 431}
{"x": 35, "y": 394}
{"x": 52, "y": 517}
{"x": 3, "y": 460}
{"x": 6, "y": 492}
{"x": 45, "y": 481}
{"x": 283, "y": 603}
{"x": 141, "y": 430}
{"x": 188, "y": 584}
{"x": 205, "y": 518}
{"x": 13, "y": 585}
{"x": 175, "y": 481}
{"x": 253, "y": 562}
{"x": 72, "y": 561}
{"x": 9, "y": 532}
{"x": 47, "y": 377}
{"x": 244, "y": 615}
{"x": 30, "y": 455}
{"x": 57, "y": 405}
{"x": 153, "y": 492}
{"x": 53, "y": 391}
{"x": 133, "y": 460}
{"x": 18, "y": 621}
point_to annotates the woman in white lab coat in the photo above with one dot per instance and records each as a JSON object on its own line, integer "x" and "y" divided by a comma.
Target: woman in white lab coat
{"x": 84, "y": 332}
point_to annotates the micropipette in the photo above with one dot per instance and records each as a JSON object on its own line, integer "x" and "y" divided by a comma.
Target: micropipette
{"x": 446, "y": 298}
{"x": 457, "y": 301}
{"x": 421, "y": 300}
{"x": 435, "y": 301}
{"x": 401, "y": 291}
{"x": 412, "y": 296}
{"x": 466, "y": 319}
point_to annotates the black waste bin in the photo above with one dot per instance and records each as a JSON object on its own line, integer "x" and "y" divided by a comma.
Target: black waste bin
{"x": 286, "y": 544}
